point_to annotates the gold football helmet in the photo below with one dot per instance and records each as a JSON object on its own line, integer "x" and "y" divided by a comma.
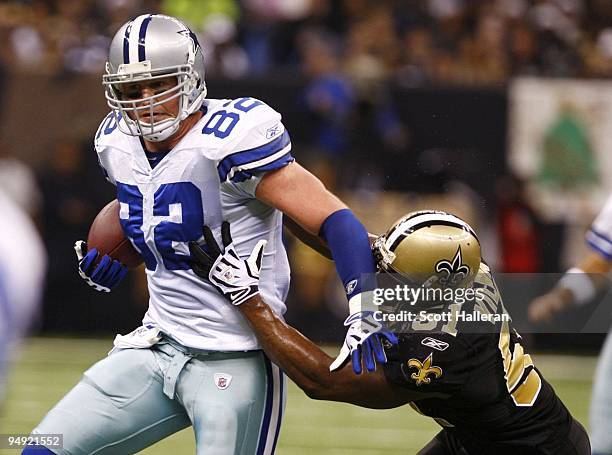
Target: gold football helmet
{"x": 429, "y": 248}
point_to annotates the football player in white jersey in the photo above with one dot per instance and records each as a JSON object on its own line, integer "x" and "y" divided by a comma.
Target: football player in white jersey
{"x": 578, "y": 286}
{"x": 180, "y": 161}
{"x": 23, "y": 263}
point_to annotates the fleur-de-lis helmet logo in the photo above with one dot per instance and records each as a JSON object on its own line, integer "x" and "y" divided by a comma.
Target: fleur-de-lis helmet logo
{"x": 453, "y": 272}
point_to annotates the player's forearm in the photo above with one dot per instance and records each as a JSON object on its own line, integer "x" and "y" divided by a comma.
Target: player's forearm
{"x": 304, "y": 198}
{"x": 304, "y": 362}
{"x": 597, "y": 268}
{"x": 313, "y": 241}
{"x": 591, "y": 279}
{"x": 299, "y": 195}
{"x": 308, "y": 366}
{"x": 349, "y": 243}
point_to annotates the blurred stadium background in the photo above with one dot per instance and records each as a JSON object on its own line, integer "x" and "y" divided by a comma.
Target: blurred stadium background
{"x": 497, "y": 110}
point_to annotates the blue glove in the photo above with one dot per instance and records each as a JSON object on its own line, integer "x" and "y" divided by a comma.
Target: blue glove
{"x": 104, "y": 276}
{"x": 363, "y": 342}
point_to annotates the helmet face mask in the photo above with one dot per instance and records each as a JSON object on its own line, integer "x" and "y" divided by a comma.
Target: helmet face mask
{"x": 145, "y": 50}
{"x": 132, "y": 110}
{"x": 429, "y": 249}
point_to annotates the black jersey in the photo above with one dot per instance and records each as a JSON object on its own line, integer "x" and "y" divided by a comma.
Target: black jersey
{"x": 489, "y": 393}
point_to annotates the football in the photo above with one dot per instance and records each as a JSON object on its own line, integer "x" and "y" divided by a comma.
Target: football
{"x": 106, "y": 235}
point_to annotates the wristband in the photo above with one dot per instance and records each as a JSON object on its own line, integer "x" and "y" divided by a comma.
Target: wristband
{"x": 364, "y": 301}
{"x": 350, "y": 246}
{"x": 580, "y": 284}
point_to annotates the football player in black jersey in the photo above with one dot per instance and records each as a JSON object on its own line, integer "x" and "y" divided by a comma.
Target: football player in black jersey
{"x": 470, "y": 373}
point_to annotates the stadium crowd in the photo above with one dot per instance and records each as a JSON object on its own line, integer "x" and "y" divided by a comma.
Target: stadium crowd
{"x": 411, "y": 42}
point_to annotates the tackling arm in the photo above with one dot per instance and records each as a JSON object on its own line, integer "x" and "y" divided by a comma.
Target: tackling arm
{"x": 307, "y": 365}
{"x": 313, "y": 241}
{"x": 237, "y": 279}
{"x": 302, "y": 197}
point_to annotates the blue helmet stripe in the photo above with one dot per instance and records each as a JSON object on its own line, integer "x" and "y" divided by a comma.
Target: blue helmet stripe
{"x": 126, "y": 44}
{"x": 193, "y": 36}
{"x": 141, "y": 38}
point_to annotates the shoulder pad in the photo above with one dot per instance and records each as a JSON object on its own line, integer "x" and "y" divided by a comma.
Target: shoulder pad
{"x": 110, "y": 145}
{"x": 107, "y": 132}
{"x": 228, "y": 122}
{"x": 233, "y": 126}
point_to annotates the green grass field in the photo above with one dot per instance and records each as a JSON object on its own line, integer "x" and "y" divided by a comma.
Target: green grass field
{"x": 49, "y": 367}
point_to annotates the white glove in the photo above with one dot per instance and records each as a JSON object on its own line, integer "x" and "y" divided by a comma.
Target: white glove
{"x": 237, "y": 279}
{"x": 363, "y": 339}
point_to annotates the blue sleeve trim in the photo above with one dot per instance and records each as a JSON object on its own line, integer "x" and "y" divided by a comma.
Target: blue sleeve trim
{"x": 606, "y": 255}
{"x": 603, "y": 237}
{"x": 242, "y": 175}
{"x": 247, "y": 159}
{"x": 348, "y": 241}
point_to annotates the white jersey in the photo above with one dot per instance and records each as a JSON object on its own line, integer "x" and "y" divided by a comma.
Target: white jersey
{"x": 23, "y": 263}
{"x": 209, "y": 176}
{"x": 599, "y": 236}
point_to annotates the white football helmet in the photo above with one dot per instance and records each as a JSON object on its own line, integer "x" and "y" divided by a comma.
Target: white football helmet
{"x": 150, "y": 47}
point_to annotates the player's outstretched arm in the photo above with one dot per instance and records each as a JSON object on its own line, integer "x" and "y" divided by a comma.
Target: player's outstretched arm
{"x": 302, "y": 197}
{"x": 579, "y": 285}
{"x": 238, "y": 279}
{"x": 308, "y": 366}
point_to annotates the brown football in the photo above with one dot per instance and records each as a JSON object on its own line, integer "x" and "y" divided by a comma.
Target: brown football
{"x": 106, "y": 235}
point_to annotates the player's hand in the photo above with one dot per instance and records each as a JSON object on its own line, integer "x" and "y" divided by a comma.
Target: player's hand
{"x": 543, "y": 308}
{"x": 363, "y": 341}
{"x": 236, "y": 278}
{"x": 102, "y": 277}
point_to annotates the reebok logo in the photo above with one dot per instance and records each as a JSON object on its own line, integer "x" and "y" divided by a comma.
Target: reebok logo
{"x": 350, "y": 286}
{"x": 435, "y": 344}
{"x": 272, "y": 131}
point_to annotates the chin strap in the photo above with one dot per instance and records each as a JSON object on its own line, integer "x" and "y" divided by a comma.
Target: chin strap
{"x": 163, "y": 134}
